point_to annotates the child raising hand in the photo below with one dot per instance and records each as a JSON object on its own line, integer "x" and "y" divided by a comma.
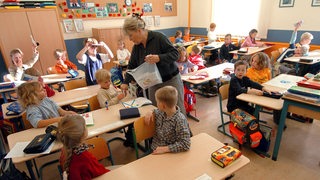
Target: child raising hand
{"x": 75, "y": 160}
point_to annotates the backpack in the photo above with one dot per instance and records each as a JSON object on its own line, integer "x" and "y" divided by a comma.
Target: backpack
{"x": 244, "y": 128}
{"x": 189, "y": 99}
{"x": 116, "y": 76}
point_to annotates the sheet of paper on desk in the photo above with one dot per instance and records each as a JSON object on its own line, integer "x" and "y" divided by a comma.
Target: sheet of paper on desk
{"x": 88, "y": 117}
{"x": 203, "y": 177}
{"x": 17, "y": 150}
{"x": 138, "y": 102}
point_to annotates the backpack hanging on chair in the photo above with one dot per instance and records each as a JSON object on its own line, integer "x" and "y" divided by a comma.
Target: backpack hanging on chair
{"x": 189, "y": 100}
{"x": 116, "y": 76}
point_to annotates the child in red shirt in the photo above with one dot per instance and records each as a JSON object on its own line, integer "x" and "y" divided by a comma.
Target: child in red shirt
{"x": 196, "y": 58}
{"x": 76, "y": 162}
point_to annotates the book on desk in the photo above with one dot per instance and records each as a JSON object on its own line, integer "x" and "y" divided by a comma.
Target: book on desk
{"x": 225, "y": 155}
{"x": 313, "y": 93}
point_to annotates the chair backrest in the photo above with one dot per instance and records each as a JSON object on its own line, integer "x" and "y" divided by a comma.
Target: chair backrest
{"x": 100, "y": 150}
{"x": 274, "y": 56}
{"x": 76, "y": 83}
{"x": 172, "y": 39}
{"x": 93, "y": 103}
{"x": 282, "y": 49}
{"x": 224, "y": 91}
{"x": 51, "y": 70}
{"x": 26, "y": 123}
{"x": 142, "y": 131}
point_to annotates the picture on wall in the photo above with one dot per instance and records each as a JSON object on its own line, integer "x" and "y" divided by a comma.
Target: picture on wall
{"x": 168, "y": 7}
{"x": 68, "y": 25}
{"x": 73, "y": 4}
{"x": 101, "y": 12}
{"x": 79, "y": 25}
{"x": 315, "y": 3}
{"x": 88, "y": 7}
{"x": 147, "y": 7}
{"x": 112, "y": 7}
{"x": 286, "y": 3}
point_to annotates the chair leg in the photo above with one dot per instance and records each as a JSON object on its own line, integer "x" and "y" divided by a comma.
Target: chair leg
{"x": 45, "y": 165}
{"x": 221, "y": 127}
{"x": 111, "y": 157}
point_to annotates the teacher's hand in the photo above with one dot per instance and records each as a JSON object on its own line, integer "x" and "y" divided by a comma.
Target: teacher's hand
{"x": 152, "y": 59}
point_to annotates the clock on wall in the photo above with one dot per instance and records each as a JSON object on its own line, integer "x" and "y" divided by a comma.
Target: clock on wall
{"x": 128, "y": 2}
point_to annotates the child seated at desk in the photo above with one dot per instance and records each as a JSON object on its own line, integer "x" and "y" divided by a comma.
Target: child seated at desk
{"x": 63, "y": 64}
{"x": 186, "y": 37}
{"x": 226, "y": 48}
{"x": 76, "y": 161}
{"x": 239, "y": 84}
{"x": 122, "y": 52}
{"x": 184, "y": 65}
{"x": 250, "y": 41}
{"x": 17, "y": 67}
{"x": 178, "y": 37}
{"x": 41, "y": 111}
{"x": 107, "y": 93}
{"x": 259, "y": 71}
{"x": 196, "y": 58}
{"x": 171, "y": 127}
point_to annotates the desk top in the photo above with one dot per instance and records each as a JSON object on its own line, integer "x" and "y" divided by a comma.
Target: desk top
{"x": 190, "y": 43}
{"x": 213, "y": 46}
{"x": 263, "y": 101}
{"x": 104, "y": 121}
{"x": 121, "y": 64}
{"x": 75, "y": 95}
{"x": 56, "y": 78}
{"x": 284, "y": 81}
{"x": 183, "y": 165}
{"x": 213, "y": 71}
{"x": 313, "y": 55}
{"x": 251, "y": 50}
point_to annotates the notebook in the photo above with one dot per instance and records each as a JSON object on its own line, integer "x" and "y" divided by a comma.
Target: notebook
{"x": 315, "y": 93}
{"x": 138, "y": 102}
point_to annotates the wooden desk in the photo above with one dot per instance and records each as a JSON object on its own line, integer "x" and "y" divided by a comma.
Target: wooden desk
{"x": 186, "y": 44}
{"x": 251, "y": 50}
{"x": 214, "y": 72}
{"x": 183, "y": 165}
{"x": 299, "y": 107}
{"x": 283, "y": 81}
{"x": 121, "y": 64}
{"x": 212, "y": 46}
{"x": 8, "y": 90}
{"x": 313, "y": 55}
{"x": 56, "y": 78}
{"x": 104, "y": 121}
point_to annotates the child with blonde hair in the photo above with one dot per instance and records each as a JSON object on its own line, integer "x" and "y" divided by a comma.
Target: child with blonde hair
{"x": 63, "y": 64}
{"x": 172, "y": 133}
{"x": 260, "y": 68}
{"x": 184, "y": 65}
{"x": 186, "y": 36}
{"x": 122, "y": 52}
{"x": 107, "y": 93}
{"x": 41, "y": 111}
{"x": 76, "y": 161}
{"x": 91, "y": 59}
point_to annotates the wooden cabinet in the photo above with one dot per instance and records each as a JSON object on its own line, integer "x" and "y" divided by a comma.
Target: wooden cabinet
{"x": 111, "y": 37}
{"x": 42, "y": 24}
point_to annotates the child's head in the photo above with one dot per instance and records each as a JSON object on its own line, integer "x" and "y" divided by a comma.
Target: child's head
{"x": 196, "y": 50}
{"x": 227, "y": 39}
{"x": 186, "y": 31}
{"x": 71, "y": 132}
{"x": 253, "y": 33}
{"x": 92, "y": 48}
{"x": 16, "y": 57}
{"x": 183, "y": 54}
{"x": 31, "y": 93}
{"x": 103, "y": 78}
{"x": 178, "y": 34}
{"x": 60, "y": 54}
{"x": 240, "y": 68}
{"x": 306, "y": 38}
{"x": 301, "y": 51}
{"x": 166, "y": 97}
{"x": 212, "y": 26}
{"x": 121, "y": 44}
{"x": 260, "y": 61}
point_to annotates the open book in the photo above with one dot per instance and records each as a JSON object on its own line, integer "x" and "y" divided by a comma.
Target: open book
{"x": 88, "y": 117}
{"x": 138, "y": 102}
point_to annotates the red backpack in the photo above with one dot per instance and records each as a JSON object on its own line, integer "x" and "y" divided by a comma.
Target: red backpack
{"x": 189, "y": 100}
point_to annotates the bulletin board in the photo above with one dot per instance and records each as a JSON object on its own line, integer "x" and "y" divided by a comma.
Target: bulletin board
{"x": 104, "y": 9}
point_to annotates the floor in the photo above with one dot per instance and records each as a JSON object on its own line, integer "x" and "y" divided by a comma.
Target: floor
{"x": 299, "y": 155}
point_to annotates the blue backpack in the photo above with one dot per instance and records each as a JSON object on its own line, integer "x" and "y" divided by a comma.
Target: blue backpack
{"x": 116, "y": 76}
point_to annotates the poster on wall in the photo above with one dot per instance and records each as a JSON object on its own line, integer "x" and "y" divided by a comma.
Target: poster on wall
{"x": 168, "y": 7}
{"x": 112, "y": 7}
{"x": 68, "y": 25}
{"x": 156, "y": 20}
{"x": 73, "y": 4}
{"x": 88, "y": 8}
{"x": 101, "y": 12}
{"x": 79, "y": 25}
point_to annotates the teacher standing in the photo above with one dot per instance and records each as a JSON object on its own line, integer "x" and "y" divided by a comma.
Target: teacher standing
{"x": 154, "y": 48}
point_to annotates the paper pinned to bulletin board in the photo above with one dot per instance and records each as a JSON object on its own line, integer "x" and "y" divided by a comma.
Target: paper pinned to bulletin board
{"x": 101, "y": 9}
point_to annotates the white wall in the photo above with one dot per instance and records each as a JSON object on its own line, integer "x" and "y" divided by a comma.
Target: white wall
{"x": 284, "y": 18}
